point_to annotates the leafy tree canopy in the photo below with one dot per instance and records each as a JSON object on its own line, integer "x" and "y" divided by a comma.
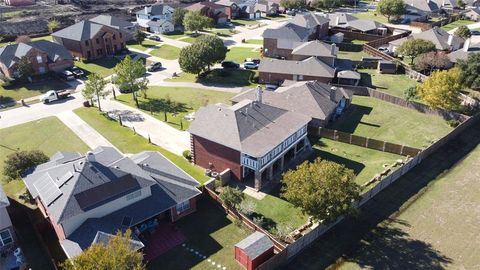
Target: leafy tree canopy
{"x": 53, "y": 25}
{"x": 389, "y": 8}
{"x": 232, "y": 197}
{"x": 129, "y": 74}
{"x": 323, "y": 189}
{"x": 139, "y": 36}
{"x": 414, "y": 47}
{"x": 432, "y": 60}
{"x": 471, "y": 70}
{"x": 18, "y": 162}
{"x": 442, "y": 89}
{"x": 293, "y": 4}
{"x": 95, "y": 87}
{"x": 194, "y": 21}
{"x": 178, "y": 16}
{"x": 205, "y": 52}
{"x": 463, "y": 32}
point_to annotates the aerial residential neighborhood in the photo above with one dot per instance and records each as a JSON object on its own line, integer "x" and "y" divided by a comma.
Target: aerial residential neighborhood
{"x": 239, "y": 134}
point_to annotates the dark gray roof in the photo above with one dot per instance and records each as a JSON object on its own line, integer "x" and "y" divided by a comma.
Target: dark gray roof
{"x": 288, "y": 31}
{"x": 308, "y": 67}
{"x": 255, "y": 244}
{"x": 80, "y": 31}
{"x": 339, "y": 18}
{"x": 310, "y": 98}
{"x": 155, "y": 10}
{"x": 438, "y": 36}
{"x": 309, "y": 20}
{"x": 349, "y": 74}
{"x": 462, "y": 54}
{"x": 158, "y": 23}
{"x": 112, "y": 21}
{"x": 3, "y": 198}
{"x": 316, "y": 48}
{"x": 422, "y": 6}
{"x": 250, "y": 127}
{"x": 364, "y": 25}
{"x": 10, "y": 54}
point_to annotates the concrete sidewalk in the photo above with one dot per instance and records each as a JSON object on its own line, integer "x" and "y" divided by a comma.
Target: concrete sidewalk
{"x": 86, "y": 133}
{"x": 160, "y": 133}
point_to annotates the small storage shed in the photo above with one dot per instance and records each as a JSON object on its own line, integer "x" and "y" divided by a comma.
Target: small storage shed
{"x": 349, "y": 77}
{"x": 386, "y": 67}
{"x": 254, "y": 250}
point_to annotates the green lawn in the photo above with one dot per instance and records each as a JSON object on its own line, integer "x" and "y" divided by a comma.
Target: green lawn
{"x": 371, "y": 15}
{"x": 174, "y": 35}
{"x": 190, "y": 38}
{"x": 219, "y": 77}
{"x": 239, "y": 54}
{"x": 103, "y": 67}
{"x": 276, "y": 211}
{"x": 222, "y": 32}
{"x": 127, "y": 142}
{"x": 187, "y": 99}
{"x": 166, "y": 52}
{"x": 352, "y": 55}
{"x": 456, "y": 24}
{"x": 394, "y": 84}
{"x": 49, "y": 38}
{"x": 240, "y": 22}
{"x": 365, "y": 163}
{"x": 48, "y": 135}
{"x": 26, "y": 90}
{"x": 146, "y": 44}
{"x": 210, "y": 232}
{"x": 254, "y": 41}
{"x": 374, "y": 118}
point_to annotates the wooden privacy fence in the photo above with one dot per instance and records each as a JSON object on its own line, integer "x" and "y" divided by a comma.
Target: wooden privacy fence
{"x": 278, "y": 246}
{"x": 370, "y": 143}
{"x": 385, "y": 40}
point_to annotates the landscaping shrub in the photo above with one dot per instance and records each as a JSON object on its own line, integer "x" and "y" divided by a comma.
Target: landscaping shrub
{"x": 187, "y": 155}
{"x": 18, "y": 162}
{"x": 453, "y": 123}
{"x": 232, "y": 197}
{"x": 247, "y": 207}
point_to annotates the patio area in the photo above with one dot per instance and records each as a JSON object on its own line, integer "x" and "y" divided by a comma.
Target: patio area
{"x": 161, "y": 239}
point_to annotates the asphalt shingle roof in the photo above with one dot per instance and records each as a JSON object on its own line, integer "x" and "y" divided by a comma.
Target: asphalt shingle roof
{"x": 10, "y": 54}
{"x": 309, "y": 20}
{"x": 80, "y": 31}
{"x": 255, "y": 244}
{"x": 308, "y": 67}
{"x": 112, "y": 21}
{"x": 315, "y": 48}
{"x": 288, "y": 31}
{"x": 438, "y": 36}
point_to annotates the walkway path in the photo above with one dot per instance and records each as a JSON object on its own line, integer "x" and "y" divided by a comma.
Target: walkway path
{"x": 86, "y": 133}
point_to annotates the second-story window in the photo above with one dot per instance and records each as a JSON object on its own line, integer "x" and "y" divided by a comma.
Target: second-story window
{"x": 39, "y": 59}
{"x": 86, "y": 42}
{"x": 114, "y": 37}
{"x": 98, "y": 41}
{"x": 120, "y": 35}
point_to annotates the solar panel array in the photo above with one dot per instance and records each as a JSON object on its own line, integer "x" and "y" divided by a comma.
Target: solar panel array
{"x": 47, "y": 189}
{"x": 64, "y": 179}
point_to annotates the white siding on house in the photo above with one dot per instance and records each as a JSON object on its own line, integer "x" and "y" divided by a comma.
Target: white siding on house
{"x": 5, "y": 221}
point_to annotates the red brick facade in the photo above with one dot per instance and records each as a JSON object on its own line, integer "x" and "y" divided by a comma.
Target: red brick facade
{"x": 57, "y": 227}
{"x": 176, "y": 216}
{"x": 214, "y": 156}
{"x": 107, "y": 41}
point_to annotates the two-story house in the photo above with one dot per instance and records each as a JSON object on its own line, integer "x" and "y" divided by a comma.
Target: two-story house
{"x": 7, "y": 234}
{"x": 85, "y": 197}
{"x": 43, "y": 55}
{"x": 91, "y": 40}
{"x": 442, "y": 40}
{"x": 115, "y": 22}
{"x": 156, "y": 18}
{"x": 212, "y": 10}
{"x": 252, "y": 139}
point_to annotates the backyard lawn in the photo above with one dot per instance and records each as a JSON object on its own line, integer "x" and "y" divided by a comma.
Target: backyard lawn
{"x": 219, "y": 77}
{"x": 363, "y": 161}
{"x": 48, "y": 135}
{"x": 241, "y": 22}
{"x": 352, "y": 55}
{"x": 254, "y": 41}
{"x": 127, "y": 142}
{"x": 186, "y": 100}
{"x": 371, "y": 15}
{"x": 146, "y": 44}
{"x": 103, "y": 67}
{"x": 377, "y": 119}
{"x": 26, "y": 90}
{"x": 222, "y": 32}
{"x": 394, "y": 84}
{"x": 190, "y": 38}
{"x": 239, "y": 54}
{"x": 456, "y": 24}
{"x": 166, "y": 52}
{"x": 208, "y": 231}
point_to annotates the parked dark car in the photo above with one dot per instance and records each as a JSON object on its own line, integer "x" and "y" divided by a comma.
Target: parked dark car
{"x": 78, "y": 73}
{"x": 230, "y": 64}
{"x": 154, "y": 67}
{"x": 256, "y": 61}
{"x": 153, "y": 37}
{"x": 475, "y": 32}
{"x": 66, "y": 75}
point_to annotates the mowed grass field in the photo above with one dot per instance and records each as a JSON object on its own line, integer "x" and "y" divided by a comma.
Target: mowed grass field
{"x": 438, "y": 231}
{"x": 49, "y": 135}
{"x": 393, "y": 84}
{"x": 377, "y": 119}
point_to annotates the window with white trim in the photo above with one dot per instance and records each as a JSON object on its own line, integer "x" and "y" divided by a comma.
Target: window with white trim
{"x": 39, "y": 59}
{"x": 134, "y": 195}
{"x": 182, "y": 207}
{"x": 5, "y": 238}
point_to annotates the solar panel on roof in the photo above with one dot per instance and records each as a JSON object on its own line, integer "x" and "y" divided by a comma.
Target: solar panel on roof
{"x": 47, "y": 189}
{"x": 64, "y": 179}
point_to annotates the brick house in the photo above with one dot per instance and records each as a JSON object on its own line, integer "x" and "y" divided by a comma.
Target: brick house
{"x": 90, "y": 40}
{"x": 43, "y": 55}
{"x": 252, "y": 139}
{"x": 276, "y": 71}
{"x": 212, "y": 10}
{"x": 321, "y": 102}
{"x": 104, "y": 191}
{"x": 7, "y": 233}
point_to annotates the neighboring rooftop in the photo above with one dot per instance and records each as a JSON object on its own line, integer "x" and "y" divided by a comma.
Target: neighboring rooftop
{"x": 10, "y": 54}
{"x": 250, "y": 127}
{"x": 3, "y": 198}
{"x": 255, "y": 244}
{"x": 364, "y": 25}
{"x": 316, "y": 48}
{"x": 80, "y": 31}
{"x": 112, "y": 21}
{"x": 462, "y": 54}
{"x": 308, "y": 67}
{"x": 422, "y": 6}
{"x": 309, "y": 20}
{"x": 288, "y": 31}
{"x": 155, "y": 10}
{"x": 438, "y": 36}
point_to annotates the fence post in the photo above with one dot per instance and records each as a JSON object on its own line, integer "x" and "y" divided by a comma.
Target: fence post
{"x": 335, "y": 135}
{"x": 366, "y": 143}
{"x": 384, "y": 145}
{"x": 350, "y": 138}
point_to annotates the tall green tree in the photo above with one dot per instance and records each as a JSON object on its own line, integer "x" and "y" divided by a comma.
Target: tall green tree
{"x": 19, "y": 161}
{"x": 389, "y": 8}
{"x": 442, "y": 89}
{"x": 427, "y": 62}
{"x": 116, "y": 254}
{"x": 205, "y": 52}
{"x": 178, "y": 16}
{"x": 323, "y": 189}
{"x": 471, "y": 70}
{"x": 95, "y": 86}
{"x": 463, "y": 32}
{"x": 139, "y": 36}
{"x": 194, "y": 21}
{"x": 53, "y": 25}
{"x": 24, "y": 67}
{"x": 130, "y": 74}
{"x": 293, "y": 4}
{"x": 414, "y": 47}
{"x": 232, "y": 197}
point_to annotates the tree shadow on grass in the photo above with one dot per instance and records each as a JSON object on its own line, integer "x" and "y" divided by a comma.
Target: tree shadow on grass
{"x": 390, "y": 247}
{"x": 227, "y": 77}
{"x": 357, "y": 167}
{"x": 350, "y": 120}
{"x": 156, "y": 105}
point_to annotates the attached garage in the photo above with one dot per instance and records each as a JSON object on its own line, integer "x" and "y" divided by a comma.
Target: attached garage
{"x": 254, "y": 250}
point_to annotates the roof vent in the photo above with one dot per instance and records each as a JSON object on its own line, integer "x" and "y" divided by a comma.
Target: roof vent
{"x": 145, "y": 164}
{"x": 90, "y": 156}
{"x": 116, "y": 167}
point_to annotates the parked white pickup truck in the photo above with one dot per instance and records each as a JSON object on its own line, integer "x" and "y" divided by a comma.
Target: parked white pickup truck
{"x": 54, "y": 95}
